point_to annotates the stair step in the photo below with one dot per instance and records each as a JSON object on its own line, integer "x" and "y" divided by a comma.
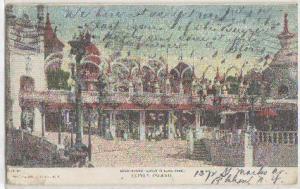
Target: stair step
{"x": 200, "y": 154}
{"x": 201, "y": 151}
{"x": 199, "y": 158}
{"x": 197, "y": 152}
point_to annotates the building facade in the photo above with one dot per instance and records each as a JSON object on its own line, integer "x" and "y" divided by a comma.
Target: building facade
{"x": 140, "y": 99}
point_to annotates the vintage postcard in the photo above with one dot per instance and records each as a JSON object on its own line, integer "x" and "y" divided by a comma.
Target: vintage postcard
{"x": 151, "y": 94}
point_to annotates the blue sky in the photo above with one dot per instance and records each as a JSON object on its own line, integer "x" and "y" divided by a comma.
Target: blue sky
{"x": 194, "y": 32}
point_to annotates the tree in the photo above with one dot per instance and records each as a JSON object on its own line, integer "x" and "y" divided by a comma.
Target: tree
{"x": 234, "y": 85}
{"x": 57, "y": 79}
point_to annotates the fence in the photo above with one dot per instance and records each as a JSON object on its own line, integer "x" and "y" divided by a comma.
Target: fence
{"x": 276, "y": 137}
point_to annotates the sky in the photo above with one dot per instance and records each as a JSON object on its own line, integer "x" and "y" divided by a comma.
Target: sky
{"x": 201, "y": 35}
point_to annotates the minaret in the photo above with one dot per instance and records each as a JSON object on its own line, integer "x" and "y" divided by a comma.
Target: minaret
{"x": 10, "y": 18}
{"x": 40, "y": 19}
{"x": 285, "y": 36}
{"x": 40, "y": 24}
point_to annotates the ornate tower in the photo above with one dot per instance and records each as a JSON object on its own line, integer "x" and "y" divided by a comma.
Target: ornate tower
{"x": 281, "y": 75}
{"x": 40, "y": 19}
{"x": 285, "y": 36}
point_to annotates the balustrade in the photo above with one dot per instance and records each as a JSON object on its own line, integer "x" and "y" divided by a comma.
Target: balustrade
{"x": 276, "y": 137}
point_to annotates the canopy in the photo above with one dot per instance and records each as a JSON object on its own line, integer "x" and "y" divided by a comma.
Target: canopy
{"x": 268, "y": 112}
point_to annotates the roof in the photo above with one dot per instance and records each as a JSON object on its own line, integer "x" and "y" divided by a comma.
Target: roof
{"x": 92, "y": 49}
{"x": 51, "y": 43}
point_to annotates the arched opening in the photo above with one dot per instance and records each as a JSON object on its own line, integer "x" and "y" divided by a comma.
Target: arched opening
{"x": 283, "y": 90}
{"x": 148, "y": 79}
{"x": 26, "y": 84}
{"x": 89, "y": 72}
{"x": 181, "y": 73}
{"x": 27, "y": 118}
{"x": 120, "y": 75}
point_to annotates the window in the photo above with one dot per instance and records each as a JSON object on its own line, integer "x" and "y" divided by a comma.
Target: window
{"x": 283, "y": 90}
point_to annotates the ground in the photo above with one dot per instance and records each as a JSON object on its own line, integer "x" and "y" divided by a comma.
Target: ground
{"x": 134, "y": 153}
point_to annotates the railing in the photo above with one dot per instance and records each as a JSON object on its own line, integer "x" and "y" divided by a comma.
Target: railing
{"x": 64, "y": 96}
{"x": 276, "y": 137}
{"x": 229, "y": 137}
{"x": 177, "y": 98}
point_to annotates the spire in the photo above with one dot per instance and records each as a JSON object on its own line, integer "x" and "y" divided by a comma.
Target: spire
{"x": 285, "y": 36}
{"x": 218, "y": 75}
{"x": 51, "y": 43}
{"x": 167, "y": 69}
{"x": 194, "y": 75}
{"x": 241, "y": 76}
{"x": 108, "y": 69}
{"x": 48, "y": 20}
{"x": 88, "y": 36}
{"x": 286, "y": 28}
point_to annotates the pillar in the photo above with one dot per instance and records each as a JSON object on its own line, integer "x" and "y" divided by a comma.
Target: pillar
{"x": 248, "y": 159}
{"x": 179, "y": 124}
{"x": 100, "y": 123}
{"x": 37, "y": 122}
{"x": 131, "y": 88}
{"x": 171, "y": 127}
{"x": 16, "y": 115}
{"x": 60, "y": 113}
{"x": 199, "y": 130}
{"x": 112, "y": 123}
{"x": 43, "y": 124}
{"x": 181, "y": 90}
{"x": 190, "y": 141}
{"x": 156, "y": 86}
{"x": 246, "y": 119}
{"x": 168, "y": 87}
{"x": 142, "y": 125}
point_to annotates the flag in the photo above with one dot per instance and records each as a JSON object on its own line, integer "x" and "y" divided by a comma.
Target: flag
{"x": 260, "y": 60}
{"x": 267, "y": 57}
{"x": 215, "y": 54}
{"x": 192, "y": 53}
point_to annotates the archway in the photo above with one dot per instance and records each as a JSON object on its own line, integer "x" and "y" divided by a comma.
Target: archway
{"x": 27, "y": 118}
{"x": 283, "y": 90}
{"x": 26, "y": 84}
{"x": 181, "y": 73}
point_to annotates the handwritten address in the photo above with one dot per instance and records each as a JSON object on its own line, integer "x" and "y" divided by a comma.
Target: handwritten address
{"x": 231, "y": 175}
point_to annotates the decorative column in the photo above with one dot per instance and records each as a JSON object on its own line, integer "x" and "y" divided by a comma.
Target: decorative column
{"x": 140, "y": 86}
{"x": 156, "y": 86}
{"x": 16, "y": 116}
{"x": 190, "y": 141}
{"x": 42, "y": 111}
{"x": 171, "y": 127}
{"x": 100, "y": 123}
{"x": 90, "y": 117}
{"x": 142, "y": 125}
{"x": 179, "y": 123}
{"x": 131, "y": 88}
{"x": 112, "y": 124}
{"x": 168, "y": 87}
{"x": 199, "y": 130}
{"x": 38, "y": 118}
{"x": 181, "y": 90}
{"x": 60, "y": 113}
{"x": 247, "y": 123}
{"x": 248, "y": 159}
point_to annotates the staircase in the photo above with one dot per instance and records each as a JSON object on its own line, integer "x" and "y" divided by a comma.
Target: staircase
{"x": 200, "y": 152}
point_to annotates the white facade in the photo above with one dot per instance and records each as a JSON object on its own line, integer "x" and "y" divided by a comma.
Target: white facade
{"x": 27, "y": 63}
